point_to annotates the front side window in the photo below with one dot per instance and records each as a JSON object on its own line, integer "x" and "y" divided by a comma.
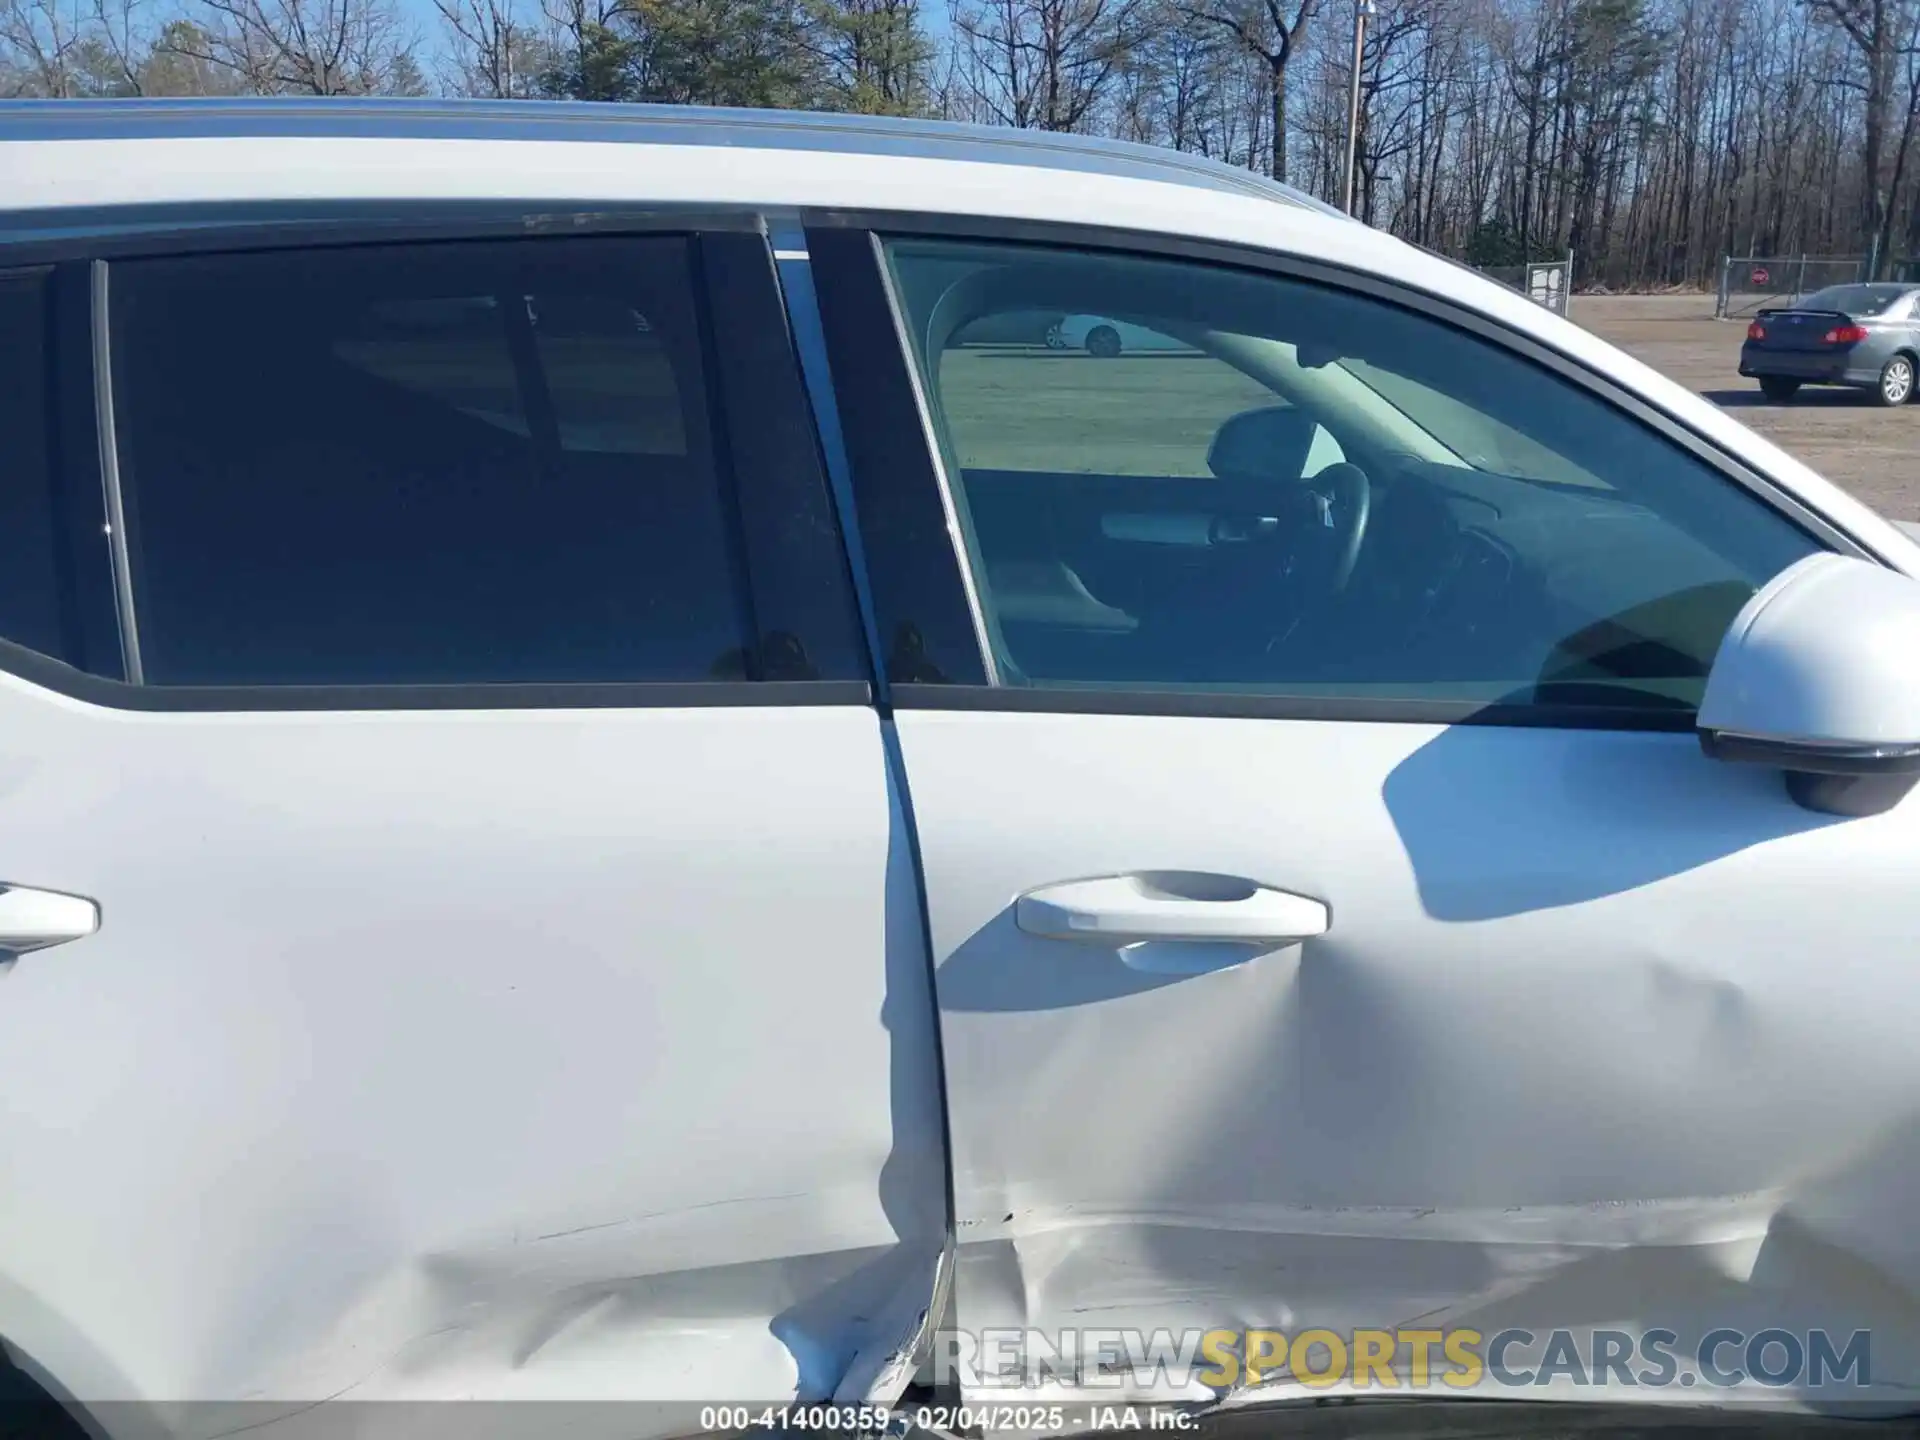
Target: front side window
{"x": 1203, "y": 478}
{"x": 485, "y": 462}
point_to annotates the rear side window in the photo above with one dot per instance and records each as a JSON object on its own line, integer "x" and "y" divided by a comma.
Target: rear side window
{"x": 30, "y": 582}
{"x": 463, "y": 463}
{"x": 607, "y": 371}
{"x": 1859, "y": 301}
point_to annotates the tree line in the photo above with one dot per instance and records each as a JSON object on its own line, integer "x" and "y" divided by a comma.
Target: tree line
{"x": 1650, "y": 137}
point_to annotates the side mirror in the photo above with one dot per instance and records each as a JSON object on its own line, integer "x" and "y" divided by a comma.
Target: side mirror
{"x": 1819, "y": 677}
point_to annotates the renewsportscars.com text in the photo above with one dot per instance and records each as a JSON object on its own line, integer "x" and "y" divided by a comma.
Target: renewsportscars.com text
{"x": 1456, "y": 1360}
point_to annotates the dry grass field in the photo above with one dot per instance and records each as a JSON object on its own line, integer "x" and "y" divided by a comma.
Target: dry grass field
{"x": 1874, "y": 453}
{"x": 1022, "y": 407}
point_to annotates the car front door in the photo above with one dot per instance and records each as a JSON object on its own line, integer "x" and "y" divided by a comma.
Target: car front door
{"x": 1336, "y": 922}
{"x": 507, "y": 980}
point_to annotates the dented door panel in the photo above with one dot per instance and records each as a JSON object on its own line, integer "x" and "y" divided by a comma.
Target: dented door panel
{"x": 491, "y": 1055}
{"x": 1602, "y": 1033}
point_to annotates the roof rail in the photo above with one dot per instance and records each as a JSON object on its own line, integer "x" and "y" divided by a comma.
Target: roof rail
{"x": 23, "y": 120}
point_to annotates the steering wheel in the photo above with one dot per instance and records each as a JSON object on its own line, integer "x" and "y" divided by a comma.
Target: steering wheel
{"x": 1350, "y": 495}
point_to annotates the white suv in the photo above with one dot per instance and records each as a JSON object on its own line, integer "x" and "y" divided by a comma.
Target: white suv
{"x": 706, "y": 860}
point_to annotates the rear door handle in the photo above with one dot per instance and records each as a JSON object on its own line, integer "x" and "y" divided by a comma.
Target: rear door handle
{"x": 1170, "y": 905}
{"x": 34, "y": 919}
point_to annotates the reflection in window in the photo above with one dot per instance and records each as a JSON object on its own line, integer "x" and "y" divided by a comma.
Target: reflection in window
{"x": 1306, "y": 491}
{"x": 601, "y": 362}
{"x": 413, "y": 464}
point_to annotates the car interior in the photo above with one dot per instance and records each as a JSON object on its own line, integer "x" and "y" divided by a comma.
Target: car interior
{"x": 1527, "y": 543}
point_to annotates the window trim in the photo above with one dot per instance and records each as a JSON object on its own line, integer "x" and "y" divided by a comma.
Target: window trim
{"x": 90, "y": 243}
{"x": 793, "y": 543}
{"x": 937, "y": 461}
{"x": 893, "y": 492}
{"x": 793, "y": 266}
{"x": 50, "y": 674}
{"x": 152, "y": 231}
{"x": 1227, "y": 705}
{"x": 94, "y": 645}
{"x": 112, "y": 495}
{"x": 878, "y": 226}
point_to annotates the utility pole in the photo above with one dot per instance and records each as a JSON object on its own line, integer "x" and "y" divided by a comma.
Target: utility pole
{"x": 1361, "y": 10}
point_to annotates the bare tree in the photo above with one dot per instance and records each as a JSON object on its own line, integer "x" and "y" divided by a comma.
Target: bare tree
{"x": 124, "y": 45}
{"x": 590, "y": 57}
{"x": 1041, "y": 64}
{"x": 1273, "y": 36}
{"x": 1651, "y": 136}
{"x": 495, "y": 51}
{"x": 46, "y": 44}
{"x": 1880, "y": 31}
{"x": 304, "y": 47}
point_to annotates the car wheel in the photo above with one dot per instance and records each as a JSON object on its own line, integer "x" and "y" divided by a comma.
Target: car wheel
{"x": 1896, "y": 381}
{"x": 1779, "y": 388}
{"x": 1055, "y": 340}
{"x": 1103, "y": 341}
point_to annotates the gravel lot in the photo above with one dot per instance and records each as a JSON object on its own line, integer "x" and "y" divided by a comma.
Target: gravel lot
{"x": 1874, "y": 453}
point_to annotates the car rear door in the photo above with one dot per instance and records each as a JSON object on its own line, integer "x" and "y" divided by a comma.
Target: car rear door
{"x": 1325, "y": 948}
{"x": 507, "y": 980}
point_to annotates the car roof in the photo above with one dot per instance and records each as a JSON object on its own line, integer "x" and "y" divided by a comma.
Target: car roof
{"x": 340, "y": 118}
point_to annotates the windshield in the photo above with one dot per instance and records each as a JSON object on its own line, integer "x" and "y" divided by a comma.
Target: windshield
{"x": 1474, "y": 436}
{"x": 1856, "y": 300}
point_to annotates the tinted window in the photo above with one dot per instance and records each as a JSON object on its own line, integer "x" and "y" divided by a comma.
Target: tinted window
{"x": 1092, "y": 395}
{"x": 607, "y": 371}
{"x": 1858, "y": 301}
{"x": 30, "y": 587}
{"x": 441, "y": 463}
{"x": 1481, "y": 529}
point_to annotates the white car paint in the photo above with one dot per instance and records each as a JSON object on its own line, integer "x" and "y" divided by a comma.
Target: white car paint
{"x": 1134, "y": 339}
{"x": 1604, "y": 1092}
{"x": 1815, "y": 656}
{"x": 427, "y": 1055}
{"x": 588, "y": 1055}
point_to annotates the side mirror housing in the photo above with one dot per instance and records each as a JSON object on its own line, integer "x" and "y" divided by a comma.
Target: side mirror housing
{"x": 1819, "y": 677}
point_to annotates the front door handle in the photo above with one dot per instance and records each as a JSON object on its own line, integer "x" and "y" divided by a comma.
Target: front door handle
{"x": 1180, "y": 905}
{"x": 34, "y": 919}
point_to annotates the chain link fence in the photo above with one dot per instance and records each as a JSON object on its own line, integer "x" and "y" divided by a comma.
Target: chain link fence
{"x": 1749, "y": 283}
{"x": 1545, "y": 282}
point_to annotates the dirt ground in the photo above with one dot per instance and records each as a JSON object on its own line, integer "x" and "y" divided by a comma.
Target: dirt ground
{"x": 1018, "y": 406}
{"x": 1874, "y": 453}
